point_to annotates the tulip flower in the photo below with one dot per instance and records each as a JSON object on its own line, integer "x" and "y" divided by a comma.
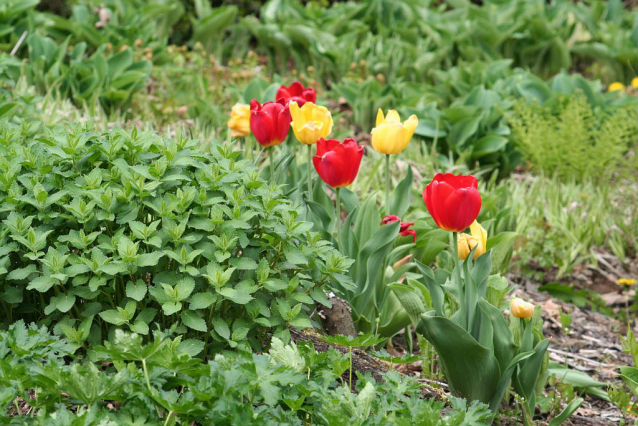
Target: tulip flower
{"x": 337, "y": 163}
{"x": 404, "y": 230}
{"x": 634, "y": 82}
{"x": 453, "y": 201}
{"x": 478, "y": 239}
{"x": 239, "y": 123}
{"x": 297, "y": 93}
{"x": 310, "y": 123}
{"x": 616, "y": 86}
{"x": 520, "y": 308}
{"x": 390, "y": 136}
{"x": 269, "y": 122}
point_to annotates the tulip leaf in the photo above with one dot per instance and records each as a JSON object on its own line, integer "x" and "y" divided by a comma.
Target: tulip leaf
{"x": 567, "y": 412}
{"x": 434, "y": 288}
{"x": 410, "y": 300}
{"x": 503, "y": 343}
{"x": 368, "y": 280}
{"x": 472, "y": 370}
{"x": 529, "y": 370}
{"x": 401, "y": 198}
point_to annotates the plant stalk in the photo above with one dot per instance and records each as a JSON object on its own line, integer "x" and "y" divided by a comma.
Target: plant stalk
{"x": 387, "y": 184}
{"x": 272, "y": 164}
{"x": 338, "y": 215}
{"x": 310, "y": 172}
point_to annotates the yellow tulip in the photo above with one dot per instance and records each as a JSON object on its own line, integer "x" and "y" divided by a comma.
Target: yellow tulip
{"x": 616, "y": 86}
{"x": 391, "y": 136}
{"x": 521, "y": 308}
{"x": 467, "y": 242}
{"x": 310, "y": 122}
{"x": 634, "y": 82}
{"x": 239, "y": 123}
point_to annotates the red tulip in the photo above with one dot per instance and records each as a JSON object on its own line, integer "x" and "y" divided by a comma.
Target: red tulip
{"x": 269, "y": 122}
{"x": 337, "y": 163}
{"x": 403, "y": 229}
{"x": 296, "y": 92}
{"x": 453, "y": 201}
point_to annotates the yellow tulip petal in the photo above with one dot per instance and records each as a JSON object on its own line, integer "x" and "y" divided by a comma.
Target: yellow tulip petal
{"x": 380, "y": 117}
{"x": 393, "y": 117}
{"x": 634, "y": 82}
{"x": 411, "y": 124}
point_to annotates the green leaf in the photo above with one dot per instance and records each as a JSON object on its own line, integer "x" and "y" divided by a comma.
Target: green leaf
{"x": 221, "y": 327}
{"x": 136, "y": 290}
{"x": 471, "y": 370}
{"x": 21, "y": 273}
{"x": 113, "y": 316}
{"x": 41, "y": 284}
{"x": 567, "y": 412}
{"x": 194, "y": 321}
{"x": 201, "y": 300}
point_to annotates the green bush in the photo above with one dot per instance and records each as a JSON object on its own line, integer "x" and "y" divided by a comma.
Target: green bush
{"x": 569, "y": 139}
{"x": 132, "y": 230}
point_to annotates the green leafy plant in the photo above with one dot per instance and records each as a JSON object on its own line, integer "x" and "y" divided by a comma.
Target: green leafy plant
{"x": 132, "y": 229}
{"x": 569, "y": 140}
{"x": 478, "y": 352}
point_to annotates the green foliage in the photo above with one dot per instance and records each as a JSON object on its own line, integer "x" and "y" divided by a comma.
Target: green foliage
{"x": 570, "y": 140}
{"x": 132, "y": 230}
{"x": 163, "y": 383}
{"x": 477, "y": 351}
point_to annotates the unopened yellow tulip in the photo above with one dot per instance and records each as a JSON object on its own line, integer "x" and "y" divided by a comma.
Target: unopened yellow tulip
{"x": 239, "y": 123}
{"x": 634, "y": 82}
{"x": 521, "y": 308}
{"x": 467, "y": 242}
{"x": 310, "y": 122}
{"x": 390, "y": 136}
{"x": 616, "y": 86}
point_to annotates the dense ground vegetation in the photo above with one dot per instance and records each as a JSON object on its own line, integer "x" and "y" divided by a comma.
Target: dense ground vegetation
{"x": 154, "y": 261}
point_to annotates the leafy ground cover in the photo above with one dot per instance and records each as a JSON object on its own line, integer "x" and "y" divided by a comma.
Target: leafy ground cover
{"x": 161, "y": 264}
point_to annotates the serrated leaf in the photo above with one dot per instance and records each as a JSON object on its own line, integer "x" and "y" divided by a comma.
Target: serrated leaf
{"x": 221, "y": 327}
{"x": 194, "y": 321}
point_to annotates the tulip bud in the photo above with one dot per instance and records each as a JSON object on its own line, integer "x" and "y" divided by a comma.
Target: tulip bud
{"x": 521, "y": 308}
{"x": 478, "y": 239}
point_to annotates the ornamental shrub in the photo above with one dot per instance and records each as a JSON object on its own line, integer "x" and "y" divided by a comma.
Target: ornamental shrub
{"x": 127, "y": 229}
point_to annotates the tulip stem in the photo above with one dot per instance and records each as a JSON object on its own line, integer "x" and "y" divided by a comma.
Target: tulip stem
{"x": 272, "y": 163}
{"x": 387, "y": 184}
{"x": 338, "y": 214}
{"x": 455, "y": 248}
{"x": 310, "y": 172}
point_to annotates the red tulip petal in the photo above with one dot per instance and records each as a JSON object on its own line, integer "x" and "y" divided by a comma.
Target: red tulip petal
{"x": 390, "y": 219}
{"x": 457, "y": 181}
{"x": 460, "y": 209}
